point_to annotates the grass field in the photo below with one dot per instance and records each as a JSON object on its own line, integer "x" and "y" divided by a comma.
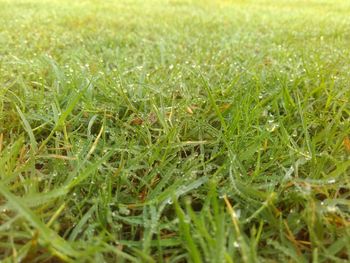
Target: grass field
{"x": 174, "y": 131}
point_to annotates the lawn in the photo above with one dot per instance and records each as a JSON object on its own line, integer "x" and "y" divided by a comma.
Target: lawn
{"x": 175, "y": 131}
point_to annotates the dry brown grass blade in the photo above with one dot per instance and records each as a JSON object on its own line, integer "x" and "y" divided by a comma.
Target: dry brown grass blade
{"x": 1, "y": 141}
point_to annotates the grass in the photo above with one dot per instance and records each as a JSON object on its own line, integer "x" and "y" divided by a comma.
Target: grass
{"x": 174, "y": 131}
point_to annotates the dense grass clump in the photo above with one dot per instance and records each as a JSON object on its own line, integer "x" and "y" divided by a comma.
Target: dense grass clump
{"x": 174, "y": 131}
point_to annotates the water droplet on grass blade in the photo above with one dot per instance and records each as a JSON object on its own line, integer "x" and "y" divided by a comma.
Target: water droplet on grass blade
{"x": 331, "y": 181}
{"x": 236, "y": 244}
{"x": 238, "y": 213}
{"x": 124, "y": 211}
{"x": 332, "y": 209}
